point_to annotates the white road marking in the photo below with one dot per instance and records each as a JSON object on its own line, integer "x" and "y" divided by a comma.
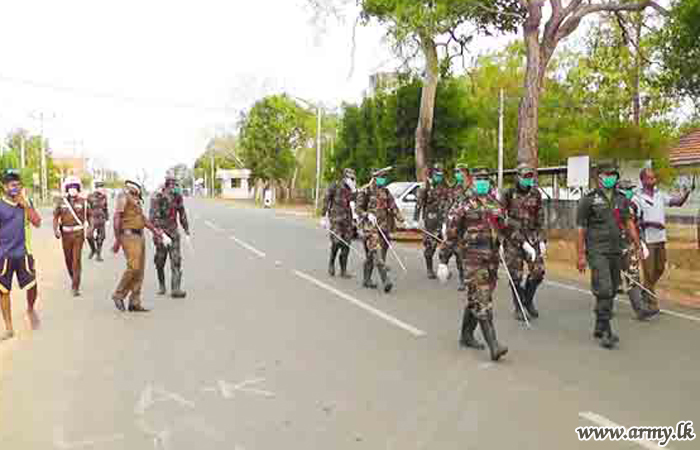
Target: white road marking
{"x": 59, "y": 440}
{"x": 389, "y": 318}
{"x": 213, "y": 226}
{"x": 247, "y": 246}
{"x": 160, "y": 438}
{"x": 228, "y": 390}
{"x": 583, "y": 291}
{"x": 605, "y": 422}
{"x": 152, "y": 395}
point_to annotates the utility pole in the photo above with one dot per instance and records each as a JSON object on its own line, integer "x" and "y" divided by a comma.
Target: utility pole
{"x": 213, "y": 179}
{"x": 42, "y": 117}
{"x": 500, "y": 142}
{"x": 318, "y": 157}
{"x": 22, "y": 150}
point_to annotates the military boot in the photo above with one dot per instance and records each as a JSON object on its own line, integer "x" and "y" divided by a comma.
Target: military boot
{"x": 91, "y": 243}
{"x": 176, "y": 291}
{"x": 529, "y": 297}
{"x": 635, "y": 296}
{"x": 467, "y": 338}
{"x": 609, "y": 339}
{"x": 599, "y": 327}
{"x": 161, "y": 280}
{"x": 489, "y": 332}
{"x": 386, "y": 281}
{"x": 368, "y": 269}
{"x": 516, "y": 291}
{"x": 429, "y": 266}
{"x": 344, "y": 265}
{"x": 99, "y": 255}
{"x": 331, "y": 262}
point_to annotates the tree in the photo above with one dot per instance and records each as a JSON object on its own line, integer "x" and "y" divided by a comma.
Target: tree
{"x": 679, "y": 45}
{"x": 540, "y": 47}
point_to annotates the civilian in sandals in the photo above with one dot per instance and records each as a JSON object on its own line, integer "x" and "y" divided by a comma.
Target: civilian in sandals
{"x": 16, "y": 216}
{"x": 129, "y": 223}
{"x": 69, "y": 223}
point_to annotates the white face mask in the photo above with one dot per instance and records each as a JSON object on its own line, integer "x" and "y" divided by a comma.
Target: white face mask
{"x": 349, "y": 182}
{"x": 73, "y": 192}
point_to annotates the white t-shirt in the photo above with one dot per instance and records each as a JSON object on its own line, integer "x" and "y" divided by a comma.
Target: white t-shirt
{"x": 653, "y": 209}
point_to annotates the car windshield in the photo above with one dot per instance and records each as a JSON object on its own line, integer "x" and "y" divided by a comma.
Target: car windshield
{"x": 399, "y": 188}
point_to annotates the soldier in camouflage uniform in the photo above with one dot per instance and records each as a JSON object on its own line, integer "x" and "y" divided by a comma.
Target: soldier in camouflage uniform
{"x": 339, "y": 214}
{"x": 97, "y": 219}
{"x": 431, "y": 210}
{"x": 527, "y": 242}
{"x": 458, "y": 195}
{"x": 378, "y": 214}
{"x": 479, "y": 224}
{"x": 601, "y": 216}
{"x": 166, "y": 207}
{"x": 630, "y": 258}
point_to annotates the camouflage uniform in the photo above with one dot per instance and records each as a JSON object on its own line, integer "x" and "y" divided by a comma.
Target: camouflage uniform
{"x": 433, "y": 204}
{"x": 338, "y": 205}
{"x": 525, "y": 216}
{"x": 479, "y": 224}
{"x": 99, "y": 214}
{"x": 459, "y": 193}
{"x": 166, "y": 207}
{"x": 378, "y": 202}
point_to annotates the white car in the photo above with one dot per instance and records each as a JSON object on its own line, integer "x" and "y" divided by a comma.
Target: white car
{"x": 405, "y": 195}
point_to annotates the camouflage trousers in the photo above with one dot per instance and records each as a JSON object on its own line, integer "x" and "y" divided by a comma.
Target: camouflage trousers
{"x": 449, "y": 249}
{"x": 430, "y": 244}
{"x": 173, "y": 251}
{"x": 96, "y": 235}
{"x": 344, "y": 230}
{"x": 481, "y": 277}
{"x": 516, "y": 261}
{"x": 376, "y": 247}
{"x": 631, "y": 265}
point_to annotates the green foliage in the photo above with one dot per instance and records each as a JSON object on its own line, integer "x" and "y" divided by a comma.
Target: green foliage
{"x": 32, "y": 147}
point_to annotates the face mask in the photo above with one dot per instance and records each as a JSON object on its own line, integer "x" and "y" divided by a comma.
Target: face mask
{"x": 177, "y": 191}
{"x": 609, "y": 182}
{"x": 381, "y": 181}
{"x": 73, "y": 192}
{"x": 459, "y": 176}
{"x": 629, "y": 193}
{"x": 14, "y": 192}
{"x": 481, "y": 187}
{"x": 437, "y": 179}
{"x": 527, "y": 182}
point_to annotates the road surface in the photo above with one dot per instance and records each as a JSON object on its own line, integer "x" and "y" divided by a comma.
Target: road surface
{"x": 268, "y": 352}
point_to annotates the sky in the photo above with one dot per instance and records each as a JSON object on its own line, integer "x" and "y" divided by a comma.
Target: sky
{"x": 143, "y": 84}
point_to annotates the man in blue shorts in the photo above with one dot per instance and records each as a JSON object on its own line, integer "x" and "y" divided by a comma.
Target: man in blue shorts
{"x": 16, "y": 216}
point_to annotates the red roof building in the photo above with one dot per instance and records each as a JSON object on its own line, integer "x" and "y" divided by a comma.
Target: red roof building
{"x": 687, "y": 152}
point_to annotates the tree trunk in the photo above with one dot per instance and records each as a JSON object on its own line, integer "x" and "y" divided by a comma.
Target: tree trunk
{"x": 529, "y": 105}
{"x": 636, "y": 93}
{"x": 424, "y": 130}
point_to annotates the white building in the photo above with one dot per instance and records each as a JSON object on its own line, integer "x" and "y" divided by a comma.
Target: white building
{"x": 234, "y": 184}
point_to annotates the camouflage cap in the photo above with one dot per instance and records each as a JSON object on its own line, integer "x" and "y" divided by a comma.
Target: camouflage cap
{"x": 349, "y": 173}
{"x": 462, "y": 166}
{"x": 607, "y": 165}
{"x": 524, "y": 168}
{"x": 380, "y": 172}
{"x": 480, "y": 172}
{"x": 9, "y": 175}
{"x": 435, "y": 168}
{"x": 626, "y": 185}
{"x": 99, "y": 184}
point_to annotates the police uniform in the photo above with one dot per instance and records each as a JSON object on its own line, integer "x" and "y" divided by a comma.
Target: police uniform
{"x": 479, "y": 224}
{"x": 70, "y": 219}
{"x": 434, "y": 201}
{"x": 167, "y": 208}
{"x": 99, "y": 214}
{"x": 525, "y": 217}
{"x": 133, "y": 221}
{"x": 377, "y": 202}
{"x": 338, "y": 205}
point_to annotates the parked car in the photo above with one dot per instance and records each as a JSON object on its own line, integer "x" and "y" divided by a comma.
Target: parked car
{"x": 405, "y": 195}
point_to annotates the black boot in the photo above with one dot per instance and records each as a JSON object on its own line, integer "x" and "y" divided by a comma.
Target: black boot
{"x": 99, "y": 255}
{"x": 489, "y": 332}
{"x": 518, "y": 291}
{"x": 176, "y": 291}
{"x": 635, "y": 296}
{"x": 529, "y": 297}
{"x": 460, "y": 268}
{"x": 467, "y": 338}
{"x": 368, "y": 269}
{"x": 609, "y": 339}
{"x": 331, "y": 262}
{"x": 388, "y": 285}
{"x": 91, "y": 243}
{"x": 161, "y": 280}
{"x": 344, "y": 263}
{"x": 429, "y": 266}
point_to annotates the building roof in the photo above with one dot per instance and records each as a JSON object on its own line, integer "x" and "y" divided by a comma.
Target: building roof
{"x": 687, "y": 152}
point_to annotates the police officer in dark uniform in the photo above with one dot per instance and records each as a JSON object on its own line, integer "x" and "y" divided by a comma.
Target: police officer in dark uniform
{"x": 602, "y": 215}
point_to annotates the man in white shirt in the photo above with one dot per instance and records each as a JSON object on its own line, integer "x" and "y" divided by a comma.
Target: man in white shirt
{"x": 652, "y": 204}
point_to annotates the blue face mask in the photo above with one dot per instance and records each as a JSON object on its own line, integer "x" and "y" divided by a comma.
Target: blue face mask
{"x": 14, "y": 192}
{"x": 459, "y": 176}
{"x": 609, "y": 182}
{"x": 381, "y": 181}
{"x": 527, "y": 182}
{"x": 481, "y": 187}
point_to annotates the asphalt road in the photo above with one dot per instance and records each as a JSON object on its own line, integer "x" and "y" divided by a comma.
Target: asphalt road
{"x": 268, "y": 352}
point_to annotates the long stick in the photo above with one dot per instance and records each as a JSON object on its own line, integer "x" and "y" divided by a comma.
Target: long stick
{"x": 345, "y": 242}
{"x": 515, "y": 288}
{"x": 432, "y": 235}
{"x": 629, "y": 277}
{"x": 391, "y": 248}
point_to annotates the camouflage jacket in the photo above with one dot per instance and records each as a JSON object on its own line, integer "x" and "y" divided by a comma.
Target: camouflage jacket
{"x": 433, "y": 205}
{"x": 166, "y": 208}
{"x": 525, "y": 214}
{"x": 99, "y": 211}
{"x": 458, "y": 194}
{"x": 478, "y": 223}
{"x": 336, "y": 203}
{"x": 380, "y": 202}
{"x": 634, "y": 215}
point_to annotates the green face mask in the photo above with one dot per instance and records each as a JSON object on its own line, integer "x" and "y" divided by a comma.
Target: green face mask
{"x": 609, "y": 182}
{"x": 459, "y": 176}
{"x": 437, "y": 179}
{"x": 481, "y": 187}
{"x": 629, "y": 193}
{"x": 381, "y": 181}
{"x": 177, "y": 191}
{"x": 527, "y": 182}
